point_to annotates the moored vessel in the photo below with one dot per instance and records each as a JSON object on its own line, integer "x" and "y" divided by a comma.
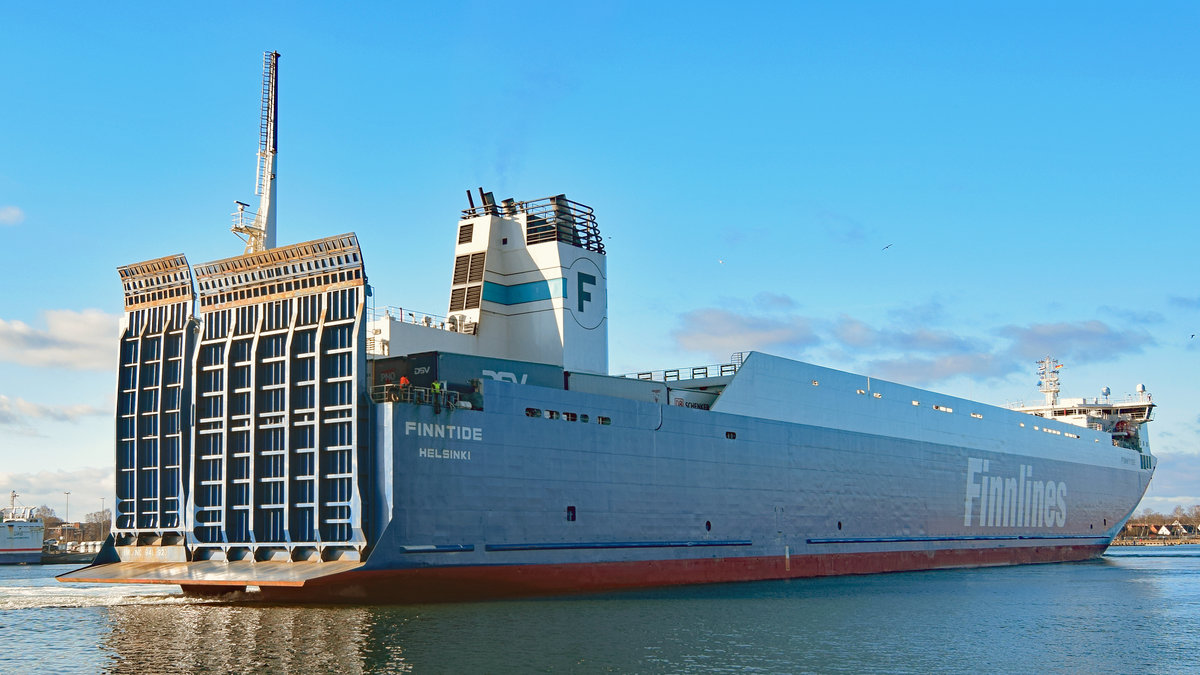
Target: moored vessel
{"x": 21, "y": 533}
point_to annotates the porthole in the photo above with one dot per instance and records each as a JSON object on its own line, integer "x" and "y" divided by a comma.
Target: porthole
{"x": 533, "y": 412}
{"x": 730, "y": 435}
{"x": 604, "y": 420}
{"x": 708, "y": 526}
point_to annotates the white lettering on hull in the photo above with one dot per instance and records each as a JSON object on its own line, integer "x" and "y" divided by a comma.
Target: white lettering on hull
{"x": 442, "y": 453}
{"x": 451, "y": 431}
{"x": 506, "y": 376}
{"x": 1012, "y": 501}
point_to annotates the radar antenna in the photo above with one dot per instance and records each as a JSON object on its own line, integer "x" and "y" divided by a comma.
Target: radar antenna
{"x": 258, "y": 229}
{"x": 1048, "y": 379}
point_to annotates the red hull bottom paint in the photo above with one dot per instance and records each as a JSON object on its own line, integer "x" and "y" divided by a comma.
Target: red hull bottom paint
{"x": 451, "y": 584}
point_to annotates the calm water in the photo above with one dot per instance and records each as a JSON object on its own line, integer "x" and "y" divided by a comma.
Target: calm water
{"x": 1137, "y": 610}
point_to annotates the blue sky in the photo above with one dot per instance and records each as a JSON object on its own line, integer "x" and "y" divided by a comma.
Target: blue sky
{"x": 1033, "y": 168}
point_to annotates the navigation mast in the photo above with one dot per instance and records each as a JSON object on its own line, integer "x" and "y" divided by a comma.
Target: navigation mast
{"x": 1048, "y": 379}
{"x": 258, "y": 229}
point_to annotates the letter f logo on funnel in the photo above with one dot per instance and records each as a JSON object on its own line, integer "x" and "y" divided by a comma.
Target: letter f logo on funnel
{"x": 584, "y": 279}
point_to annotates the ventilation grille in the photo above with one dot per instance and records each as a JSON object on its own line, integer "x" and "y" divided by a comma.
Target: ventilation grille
{"x": 476, "y": 273}
{"x": 465, "y": 232}
{"x": 472, "y": 300}
{"x": 456, "y": 299}
{"x": 461, "y": 265}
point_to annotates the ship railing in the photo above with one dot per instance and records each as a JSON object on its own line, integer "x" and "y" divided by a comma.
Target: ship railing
{"x": 550, "y": 219}
{"x": 246, "y": 223}
{"x": 420, "y": 319}
{"x": 1132, "y": 399}
{"x": 691, "y": 373}
{"x": 394, "y": 393}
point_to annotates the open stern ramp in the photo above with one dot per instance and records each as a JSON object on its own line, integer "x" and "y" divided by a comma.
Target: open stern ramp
{"x": 279, "y": 432}
{"x": 241, "y": 430}
{"x": 153, "y": 397}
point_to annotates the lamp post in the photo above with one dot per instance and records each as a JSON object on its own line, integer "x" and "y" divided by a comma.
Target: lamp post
{"x": 67, "y": 515}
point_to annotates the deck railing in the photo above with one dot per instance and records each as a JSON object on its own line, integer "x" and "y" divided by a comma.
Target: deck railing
{"x": 690, "y": 373}
{"x": 394, "y": 393}
{"x": 549, "y": 219}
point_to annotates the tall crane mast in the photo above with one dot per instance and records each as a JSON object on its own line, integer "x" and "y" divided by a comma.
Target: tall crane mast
{"x": 258, "y": 229}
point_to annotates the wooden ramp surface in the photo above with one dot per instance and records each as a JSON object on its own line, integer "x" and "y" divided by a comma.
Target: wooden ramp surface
{"x": 210, "y": 573}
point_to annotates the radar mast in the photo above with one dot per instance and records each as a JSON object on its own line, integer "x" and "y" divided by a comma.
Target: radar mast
{"x": 1048, "y": 379}
{"x": 258, "y": 229}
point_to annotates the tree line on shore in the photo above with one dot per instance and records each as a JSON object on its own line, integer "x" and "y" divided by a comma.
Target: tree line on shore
{"x": 94, "y": 526}
{"x": 1185, "y": 516}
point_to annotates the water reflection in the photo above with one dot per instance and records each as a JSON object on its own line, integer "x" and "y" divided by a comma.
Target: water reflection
{"x": 221, "y": 638}
{"x": 1105, "y": 615}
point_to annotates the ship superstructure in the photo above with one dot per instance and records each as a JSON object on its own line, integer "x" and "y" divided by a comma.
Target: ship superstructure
{"x": 1123, "y": 418}
{"x": 275, "y": 433}
{"x": 21, "y": 533}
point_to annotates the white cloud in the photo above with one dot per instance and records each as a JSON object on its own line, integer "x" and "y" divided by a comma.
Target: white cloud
{"x": 1079, "y": 341}
{"x": 719, "y": 333}
{"x": 87, "y": 486}
{"x": 19, "y": 413}
{"x": 11, "y": 215}
{"x": 922, "y": 371}
{"x": 904, "y": 348}
{"x": 72, "y": 340}
{"x": 775, "y": 301}
{"x": 1186, "y": 303}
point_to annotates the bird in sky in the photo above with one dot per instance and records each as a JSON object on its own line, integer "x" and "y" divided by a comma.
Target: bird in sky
{"x": 887, "y": 247}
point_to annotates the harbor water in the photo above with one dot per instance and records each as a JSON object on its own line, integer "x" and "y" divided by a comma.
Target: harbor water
{"x": 1135, "y": 610}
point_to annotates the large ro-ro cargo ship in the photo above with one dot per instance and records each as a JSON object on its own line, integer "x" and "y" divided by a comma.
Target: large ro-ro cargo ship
{"x": 277, "y": 432}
